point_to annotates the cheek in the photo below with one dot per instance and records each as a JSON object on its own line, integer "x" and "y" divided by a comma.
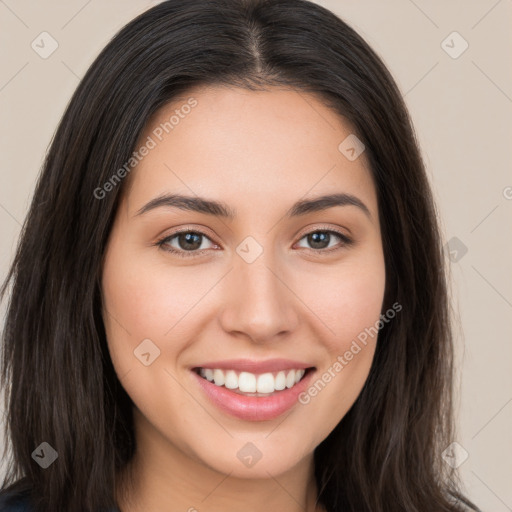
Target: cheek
{"x": 147, "y": 299}
{"x": 348, "y": 302}
{"x": 143, "y": 301}
{"x": 347, "y": 299}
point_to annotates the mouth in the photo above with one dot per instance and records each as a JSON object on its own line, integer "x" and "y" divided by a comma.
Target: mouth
{"x": 252, "y": 396}
{"x": 253, "y": 384}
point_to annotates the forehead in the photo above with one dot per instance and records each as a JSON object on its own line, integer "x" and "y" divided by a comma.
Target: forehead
{"x": 257, "y": 145}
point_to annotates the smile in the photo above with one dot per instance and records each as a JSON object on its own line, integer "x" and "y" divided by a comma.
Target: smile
{"x": 253, "y": 395}
{"x": 252, "y": 384}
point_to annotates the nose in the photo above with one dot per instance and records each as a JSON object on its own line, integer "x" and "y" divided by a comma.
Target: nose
{"x": 260, "y": 303}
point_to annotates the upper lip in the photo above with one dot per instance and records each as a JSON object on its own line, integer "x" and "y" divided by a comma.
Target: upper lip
{"x": 252, "y": 366}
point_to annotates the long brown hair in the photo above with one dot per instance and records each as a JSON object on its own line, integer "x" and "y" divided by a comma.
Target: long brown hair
{"x": 385, "y": 454}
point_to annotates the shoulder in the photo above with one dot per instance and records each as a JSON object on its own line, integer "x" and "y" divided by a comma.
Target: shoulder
{"x": 14, "y": 502}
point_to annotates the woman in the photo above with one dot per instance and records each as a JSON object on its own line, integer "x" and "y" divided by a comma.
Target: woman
{"x": 229, "y": 290}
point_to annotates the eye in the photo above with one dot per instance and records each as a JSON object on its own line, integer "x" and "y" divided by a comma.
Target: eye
{"x": 184, "y": 242}
{"x": 320, "y": 240}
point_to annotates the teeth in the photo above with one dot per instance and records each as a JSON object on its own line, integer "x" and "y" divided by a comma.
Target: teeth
{"x": 247, "y": 382}
{"x": 265, "y": 383}
{"x": 218, "y": 377}
{"x": 290, "y": 379}
{"x": 280, "y": 381}
{"x": 231, "y": 380}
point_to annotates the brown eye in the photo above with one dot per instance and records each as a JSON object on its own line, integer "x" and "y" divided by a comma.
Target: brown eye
{"x": 321, "y": 239}
{"x": 184, "y": 241}
{"x": 189, "y": 241}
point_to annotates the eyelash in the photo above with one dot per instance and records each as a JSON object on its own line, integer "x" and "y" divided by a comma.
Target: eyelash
{"x": 346, "y": 242}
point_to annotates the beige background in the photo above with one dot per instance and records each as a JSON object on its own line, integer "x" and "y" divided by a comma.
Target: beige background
{"x": 461, "y": 108}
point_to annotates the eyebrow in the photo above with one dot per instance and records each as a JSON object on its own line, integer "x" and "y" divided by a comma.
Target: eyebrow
{"x": 220, "y": 209}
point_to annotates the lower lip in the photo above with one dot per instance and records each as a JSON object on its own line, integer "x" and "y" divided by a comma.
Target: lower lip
{"x": 253, "y": 408}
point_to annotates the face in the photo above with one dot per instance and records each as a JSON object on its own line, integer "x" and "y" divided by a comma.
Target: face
{"x": 279, "y": 284}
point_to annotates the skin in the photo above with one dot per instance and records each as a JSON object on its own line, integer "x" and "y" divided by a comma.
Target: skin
{"x": 259, "y": 152}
